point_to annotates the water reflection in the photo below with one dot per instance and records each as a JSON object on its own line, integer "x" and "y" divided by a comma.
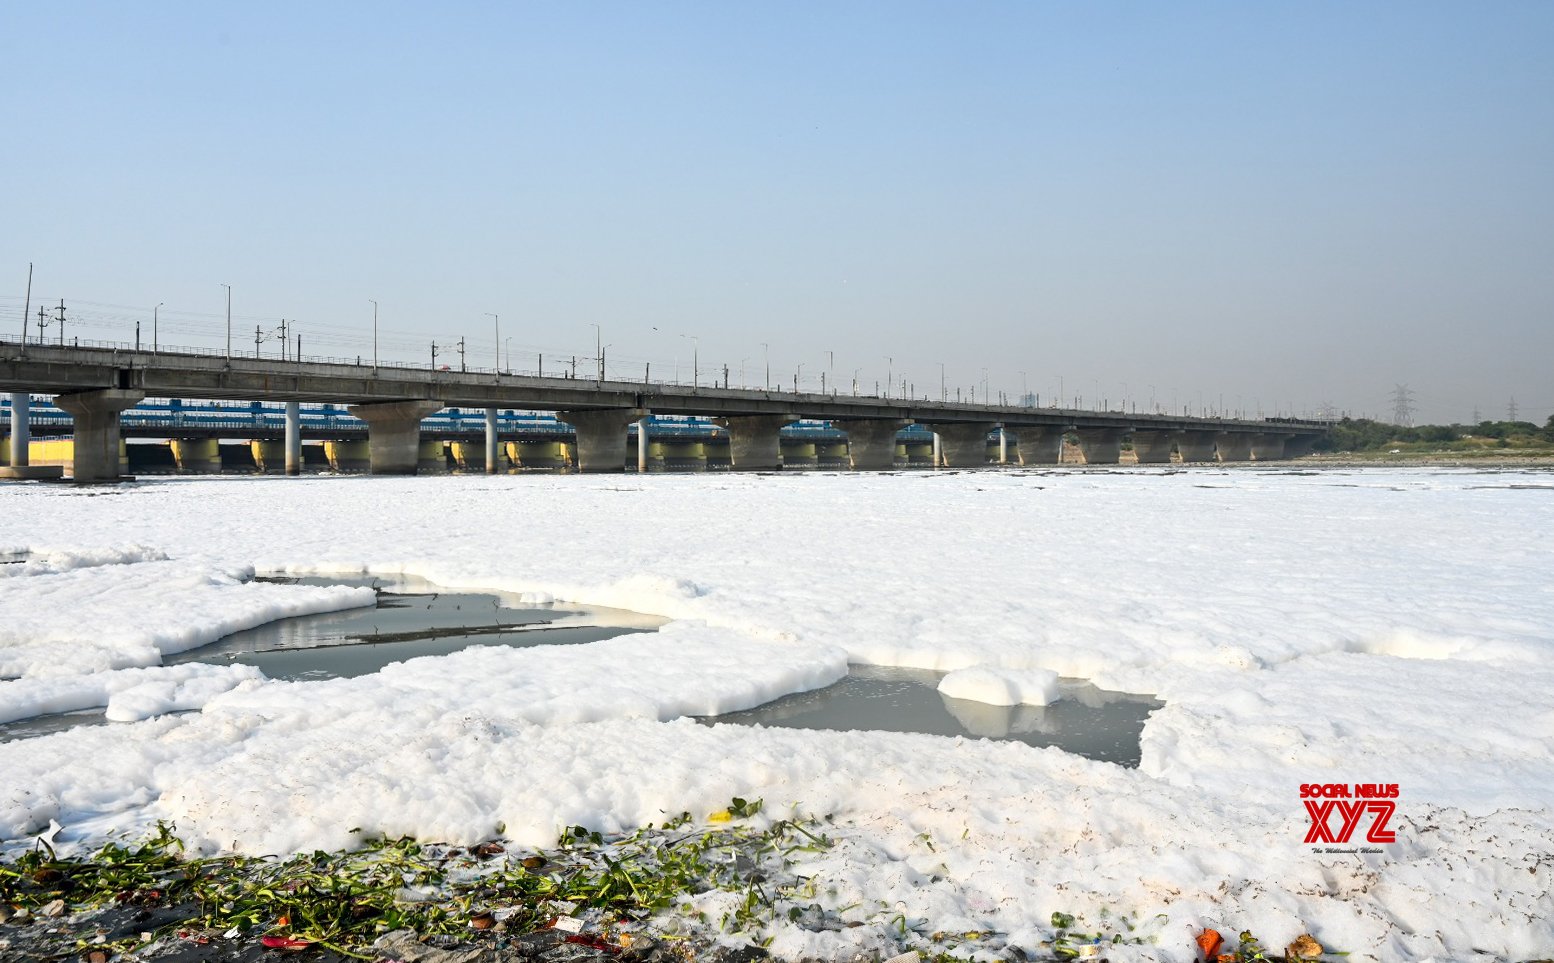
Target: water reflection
{"x": 1086, "y": 721}
{"x": 412, "y": 618}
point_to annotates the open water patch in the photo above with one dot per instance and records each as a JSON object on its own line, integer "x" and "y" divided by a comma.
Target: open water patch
{"x": 1087, "y": 721}
{"x": 411, "y": 618}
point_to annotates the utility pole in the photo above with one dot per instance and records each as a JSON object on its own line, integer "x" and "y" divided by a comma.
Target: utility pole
{"x": 258, "y": 337}
{"x": 766, "y": 352}
{"x": 496, "y": 328}
{"x": 462, "y": 365}
{"x": 27, "y": 307}
{"x": 695, "y": 360}
{"x": 229, "y": 320}
{"x": 598, "y": 351}
{"x": 43, "y": 322}
{"x": 154, "y": 312}
{"x": 61, "y": 320}
{"x": 374, "y": 333}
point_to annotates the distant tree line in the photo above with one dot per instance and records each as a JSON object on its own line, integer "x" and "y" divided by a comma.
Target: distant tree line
{"x": 1363, "y": 434}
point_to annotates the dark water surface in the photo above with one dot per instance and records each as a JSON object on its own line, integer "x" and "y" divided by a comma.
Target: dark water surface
{"x": 1090, "y": 722}
{"x": 411, "y": 619}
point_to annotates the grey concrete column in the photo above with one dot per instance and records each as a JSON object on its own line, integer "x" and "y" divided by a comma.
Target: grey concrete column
{"x": 871, "y": 442}
{"x": 938, "y": 451}
{"x": 96, "y": 431}
{"x": 20, "y": 467}
{"x": 394, "y": 434}
{"x": 755, "y": 441}
{"x": 1196, "y": 446}
{"x": 1268, "y": 447}
{"x": 1298, "y": 446}
{"x": 491, "y": 453}
{"x": 1234, "y": 446}
{"x": 1153, "y": 447}
{"x": 1003, "y": 445}
{"x": 1039, "y": 444}
{"x": 963, "y": 445}
{"x": 293, "y": 438}
{"x": 1101, "y": 446}
{"x": 601, "y": 437}
{"x": 21, "y": 428}
{"x": 642, "y": 446}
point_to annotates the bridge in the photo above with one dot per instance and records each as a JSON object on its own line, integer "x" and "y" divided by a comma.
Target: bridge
{"x": 96, "y": 383}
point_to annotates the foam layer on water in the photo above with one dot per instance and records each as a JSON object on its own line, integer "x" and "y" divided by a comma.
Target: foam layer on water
{"x": 1370, "y": 626}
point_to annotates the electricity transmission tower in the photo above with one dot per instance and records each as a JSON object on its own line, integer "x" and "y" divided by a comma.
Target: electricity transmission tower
{"x": 1511, "y": 410}
{"x": 1402, "y": 406}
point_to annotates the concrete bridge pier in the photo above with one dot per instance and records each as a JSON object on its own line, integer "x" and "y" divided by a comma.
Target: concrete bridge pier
{"x": 1268, "y": 447}
{"x": 601, "y": 437}
{"x": 962, "y": 445}
{"x": 20, "y": 466}
{"x": 1298, "y": 446}
{"x": 197, "y": 456}
{"x": 1234, "y": 446}
{"x": 1101, "y": 446}
{"x": 95, "y": 456}
{"x": 871, "y": 442}
{"x": 293, "y": 438}
{"x": 1038, "y": 445}
{"x": 394, "y": 434}
{"x": 1003, "y": 445}
{"x": 491, "y": 455}
{"x": 1153, "y": 447}
{"x": 21, "y": 429}
{"x": 755, "y": 441}
{"x": 1196, "y": 446}
{"x": 643, "y": 452}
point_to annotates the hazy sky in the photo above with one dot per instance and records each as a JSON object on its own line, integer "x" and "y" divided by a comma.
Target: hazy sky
{"x": 1284, "y": 204}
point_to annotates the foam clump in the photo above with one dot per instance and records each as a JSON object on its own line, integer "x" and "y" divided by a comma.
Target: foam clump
{"x": 1002, "y": 687}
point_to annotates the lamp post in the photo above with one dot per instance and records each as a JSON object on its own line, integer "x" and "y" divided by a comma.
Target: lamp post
{"x": 229, "y": 320}
{"x": 507, "y": 350}
{"x": 374, "y": 333}
{"x": 831, "y": 369}
{"x": 944, "y": 394}
{"x": 154, "y": 312}
{"x": 890, "y": 368}
{"x": 797, "y": 372}
{"x": 766, "y": 352}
